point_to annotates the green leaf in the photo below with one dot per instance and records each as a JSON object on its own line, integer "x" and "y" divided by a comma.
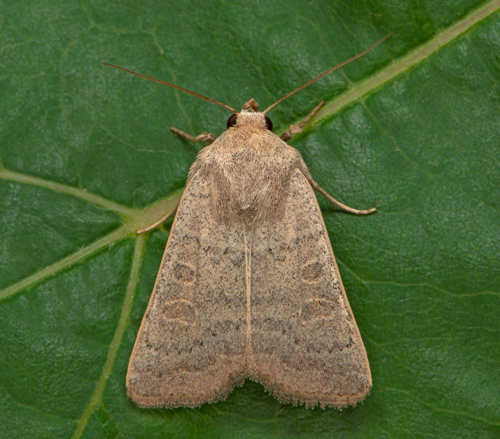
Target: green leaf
{"x": 86, "y": 158}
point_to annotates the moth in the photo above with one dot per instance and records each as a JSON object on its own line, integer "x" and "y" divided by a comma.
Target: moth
{"x": 248, "y": 286}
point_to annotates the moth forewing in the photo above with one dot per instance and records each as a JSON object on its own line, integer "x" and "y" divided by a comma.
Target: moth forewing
{"x": 306, "y": 344}
{"x": 190, "y": 346}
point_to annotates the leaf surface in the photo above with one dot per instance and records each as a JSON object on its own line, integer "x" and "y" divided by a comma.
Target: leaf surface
{"x": 87, "y": 158}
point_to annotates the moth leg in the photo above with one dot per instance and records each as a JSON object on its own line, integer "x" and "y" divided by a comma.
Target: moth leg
{"x": 338, "y": 203}
{"x": 296, "y": 129}
{"x": 205, "y": 137}
{"x": 157, "y": 223}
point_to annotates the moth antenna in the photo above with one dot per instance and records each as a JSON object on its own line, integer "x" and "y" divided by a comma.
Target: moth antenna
{"x": 326, "y": 73}
{"x": 172, "y": 85}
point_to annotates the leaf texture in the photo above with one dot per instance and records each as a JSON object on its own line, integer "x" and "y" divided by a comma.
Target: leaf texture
{"x": 86, "y": 158}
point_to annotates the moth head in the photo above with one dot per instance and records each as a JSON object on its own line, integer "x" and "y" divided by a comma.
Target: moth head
{"x": 250, "y": 116}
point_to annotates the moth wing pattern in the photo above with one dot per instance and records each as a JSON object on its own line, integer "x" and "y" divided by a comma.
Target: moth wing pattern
{"x": 305, "y": 342}
{"x": 190, "y": 346}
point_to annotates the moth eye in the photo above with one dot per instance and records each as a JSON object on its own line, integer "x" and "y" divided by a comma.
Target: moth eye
{"x": 231, "y": 122}
{"x": 269, "y": 124}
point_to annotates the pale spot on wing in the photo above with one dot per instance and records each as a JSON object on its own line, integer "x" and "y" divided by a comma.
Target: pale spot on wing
{"x": 181, "y": 311}
{"x": 319, "y": 309}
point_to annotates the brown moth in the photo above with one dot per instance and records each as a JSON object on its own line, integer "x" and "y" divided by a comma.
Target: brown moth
{"x": 248, "y": 286}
